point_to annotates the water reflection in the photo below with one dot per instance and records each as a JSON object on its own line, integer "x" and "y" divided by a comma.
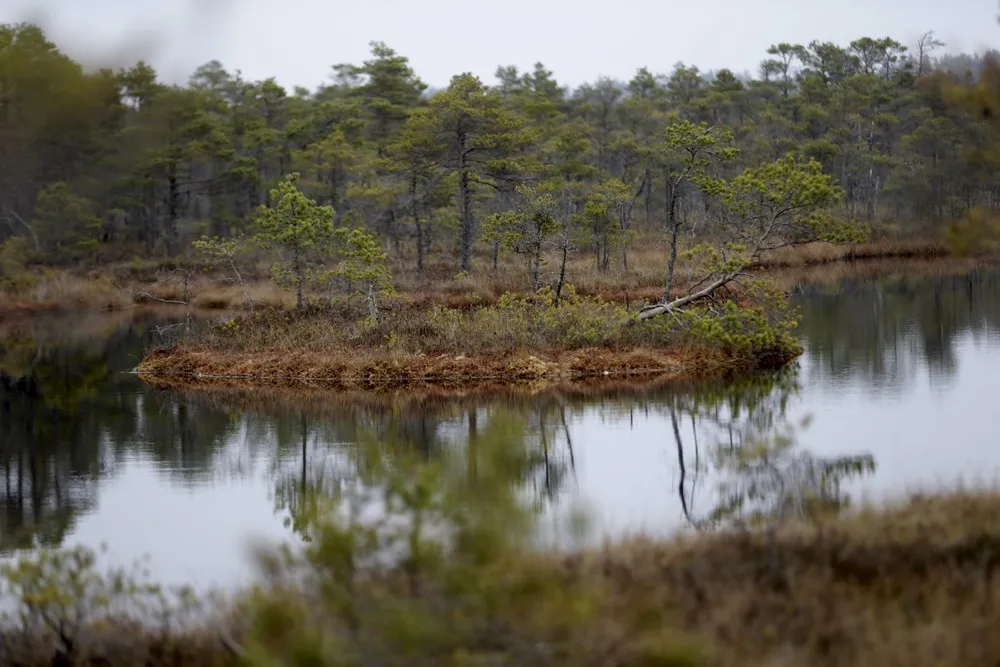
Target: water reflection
{"x": 884, "y": 333}
{"x": 91, "y": 453}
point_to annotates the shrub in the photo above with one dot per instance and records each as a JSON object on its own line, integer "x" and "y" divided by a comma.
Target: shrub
{"x": 67, "y": 610}
{"x": 413, "y": 565}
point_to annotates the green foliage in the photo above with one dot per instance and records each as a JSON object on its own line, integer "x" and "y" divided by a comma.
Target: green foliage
{"x": 415, "y": 562}
{"x": 759, "y": 326}
{"x": 109, "y": 164}
{"x": 228, "y": 253}
{"x": 64, "y": 223}
{"x": 362, "y": 262}
{"x": 62, "y": 594}
{"x": 606, "y": 217}
{"x": 292, "y": 221}
{"x": 14, "y": 273}
{"x": 388, "y": 91}
{"x": 64, "y": 607}
{"x": 782, "y": 203}
{"x": 688, "y": 150}
{"x": 743, "y": 332}
{"x": 217, "y": 250}
{"x": 305, "y": 233}
{"x": 526, "y": 229}
{"x": 58, "y": 587}
{"x": 978, "y": 233}
{"x": 468, "y": 130}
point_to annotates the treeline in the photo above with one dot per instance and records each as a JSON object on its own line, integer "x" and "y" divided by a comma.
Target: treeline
{"x": 117, "y": 164}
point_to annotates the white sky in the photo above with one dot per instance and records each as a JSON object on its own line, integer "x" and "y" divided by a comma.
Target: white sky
{"x": 297, "y": 41}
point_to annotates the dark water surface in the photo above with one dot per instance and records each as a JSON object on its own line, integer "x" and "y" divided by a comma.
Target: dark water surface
{"x": 897, "y": 392}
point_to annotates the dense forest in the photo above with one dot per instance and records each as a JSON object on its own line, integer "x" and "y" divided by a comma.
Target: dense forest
{"x": 103, "y": 165}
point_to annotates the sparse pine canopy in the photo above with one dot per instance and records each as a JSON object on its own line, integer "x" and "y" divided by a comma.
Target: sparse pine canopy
{"x": 782, "y": 203}
{"x": 467, "y": 130}
{"x": 136, "y": 166}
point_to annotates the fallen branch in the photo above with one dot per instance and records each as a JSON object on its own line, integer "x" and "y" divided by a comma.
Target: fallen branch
{"x": 153, "y": 297}
{"x": 669, "y": 307}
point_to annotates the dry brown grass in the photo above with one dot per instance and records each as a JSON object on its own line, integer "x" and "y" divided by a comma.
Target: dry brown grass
{"x": 912, "y": 584}
{"x": 57, "y": 290}
{"x": 821, "y": 253}
{"x": 350, "y": 370}
{"x": 214, "y": 294}
{"x": 126, "y": 643}
{"x": 828, "y": 274}
{"x": 147, "y": 281}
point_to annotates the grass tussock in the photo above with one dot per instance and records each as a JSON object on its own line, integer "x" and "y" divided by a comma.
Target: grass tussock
{"x": 519, "y": 339}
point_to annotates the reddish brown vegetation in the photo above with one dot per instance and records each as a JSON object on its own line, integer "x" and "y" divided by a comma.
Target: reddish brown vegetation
{"x": 348, "y": 369}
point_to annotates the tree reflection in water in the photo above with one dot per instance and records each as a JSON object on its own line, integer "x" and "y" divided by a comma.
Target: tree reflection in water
{"x": 70, "y": 418}
{"x": 732, "y": 435}
{"x": 762, "y": 474}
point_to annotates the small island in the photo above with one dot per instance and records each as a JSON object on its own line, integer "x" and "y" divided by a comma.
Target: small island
{"x": 400, "y": 249}
{"x": 366, "y": 335}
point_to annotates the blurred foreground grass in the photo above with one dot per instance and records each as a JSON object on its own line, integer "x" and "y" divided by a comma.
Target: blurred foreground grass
{"x": 418, "y": 561}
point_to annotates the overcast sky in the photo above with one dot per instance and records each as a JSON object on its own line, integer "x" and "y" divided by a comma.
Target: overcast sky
{"x": 297, "y": 41}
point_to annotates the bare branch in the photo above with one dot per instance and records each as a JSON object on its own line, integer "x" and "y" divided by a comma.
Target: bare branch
{"x": 12, "y": 217}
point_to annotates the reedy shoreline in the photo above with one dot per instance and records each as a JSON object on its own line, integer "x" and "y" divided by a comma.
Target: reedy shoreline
{"x": 911, "y": 583}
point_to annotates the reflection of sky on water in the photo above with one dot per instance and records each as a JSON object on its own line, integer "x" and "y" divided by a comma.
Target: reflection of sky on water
{"x": 909, "y": 376}
{"x": 938, "y": 429}
{"x": 941, "y": 426}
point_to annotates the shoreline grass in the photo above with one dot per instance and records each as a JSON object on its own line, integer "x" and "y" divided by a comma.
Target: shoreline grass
{"x": 116, "y": 286}
{"x": 343, "y": 371}
{"x": 238, "y": 394}
{"x": 911, "y": 582}
{"x": 521, "y": 339}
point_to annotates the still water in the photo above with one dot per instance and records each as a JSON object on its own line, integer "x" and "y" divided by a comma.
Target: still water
{"x": 896, "y": 392}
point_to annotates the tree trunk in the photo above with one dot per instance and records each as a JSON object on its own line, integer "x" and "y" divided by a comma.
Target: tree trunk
{"x": 536, "y": 268}
{"x": 172, "y": 197}
{"x": 300, "y": 279}
{"x": 420, "y": 245}
{"x": 372, "y": 302}
{"x": 646, "y": 178}
{"x": 674, "y": 227}
{"x": 465, "y": 206}
{"x": 419, "y": 225}
{"x": 562, "y": 272}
